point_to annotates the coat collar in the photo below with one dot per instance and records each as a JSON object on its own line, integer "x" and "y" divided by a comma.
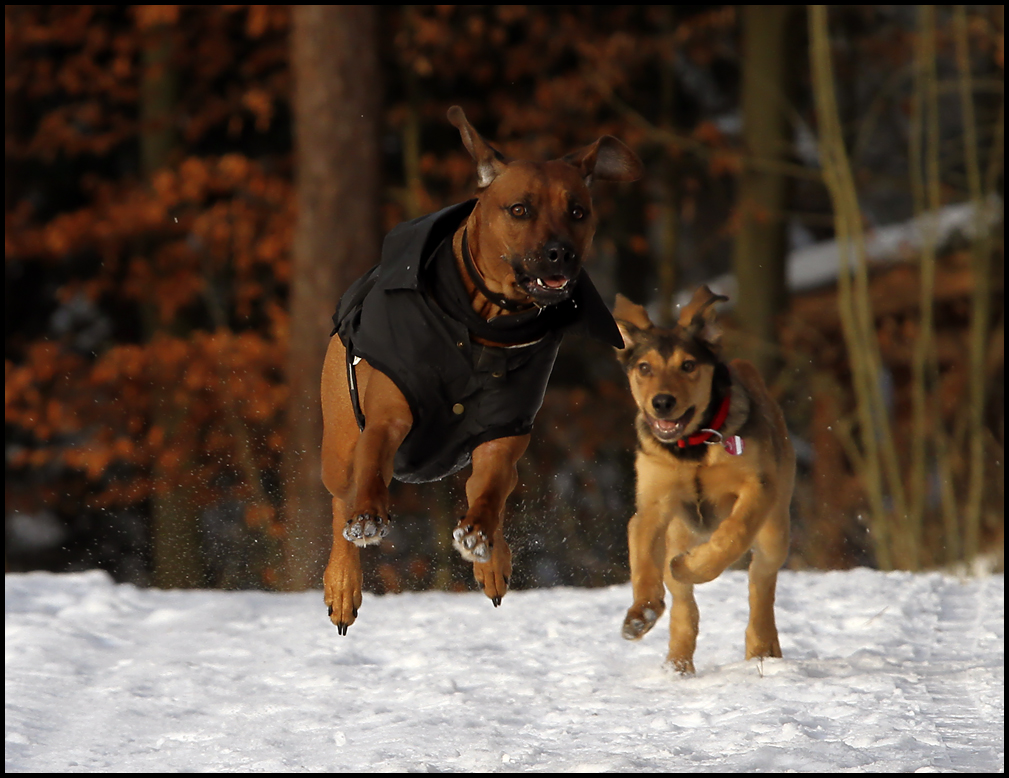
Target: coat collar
{"x": 408, "y": 245}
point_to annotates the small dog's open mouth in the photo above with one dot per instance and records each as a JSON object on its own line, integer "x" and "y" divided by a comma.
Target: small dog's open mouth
{"x": 670, "y": 429}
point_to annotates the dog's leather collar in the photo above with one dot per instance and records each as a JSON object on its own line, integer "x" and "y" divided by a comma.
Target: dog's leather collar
{"x": 498, "y": 299}
{"x": 714, "y": 429}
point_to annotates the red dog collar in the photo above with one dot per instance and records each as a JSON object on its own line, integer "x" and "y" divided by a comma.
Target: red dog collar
{"x": 709, "y": 432}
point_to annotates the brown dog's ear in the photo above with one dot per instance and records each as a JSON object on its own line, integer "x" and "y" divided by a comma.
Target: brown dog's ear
{"x": 607, "y": 159}
{"x": 698, "y": 316}
{"x": 489, "y": 161}
{"x": 632, "y": 320}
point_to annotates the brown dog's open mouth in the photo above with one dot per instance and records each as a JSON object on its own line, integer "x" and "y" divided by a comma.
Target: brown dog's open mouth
{"x": 670, "y": 429}
{"x": 545, "y": 289}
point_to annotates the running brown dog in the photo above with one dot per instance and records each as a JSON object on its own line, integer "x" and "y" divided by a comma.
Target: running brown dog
{"x": 445, "y": 348}
{"x": 715, "y": 472}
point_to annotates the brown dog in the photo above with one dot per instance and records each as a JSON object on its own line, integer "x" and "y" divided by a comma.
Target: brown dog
{"x": 445, "y": 348}
{"x": 715, "y": 471}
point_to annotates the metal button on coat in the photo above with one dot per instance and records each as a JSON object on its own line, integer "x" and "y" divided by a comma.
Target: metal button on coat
{"x": 457, "y": 409}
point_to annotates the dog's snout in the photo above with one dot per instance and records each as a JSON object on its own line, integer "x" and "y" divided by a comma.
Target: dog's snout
{"x": 663, "y": 403}
{"x": 559, "y": 252}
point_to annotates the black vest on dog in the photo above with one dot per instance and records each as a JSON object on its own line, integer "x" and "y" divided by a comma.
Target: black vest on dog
{"x": 411, "y": 318}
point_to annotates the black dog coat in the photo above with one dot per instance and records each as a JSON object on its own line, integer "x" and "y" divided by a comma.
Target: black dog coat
{"x": 411, "y": 318}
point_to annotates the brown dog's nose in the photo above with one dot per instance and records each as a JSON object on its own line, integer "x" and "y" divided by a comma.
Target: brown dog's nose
{"x": 663, "y": 403}
{"x": 559, "y": 251}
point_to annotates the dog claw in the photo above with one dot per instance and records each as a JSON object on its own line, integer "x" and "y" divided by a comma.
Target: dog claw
{"x": 341, "y": 628}
{"x": 496, "y": 601}
{"x": 366, "y": 529}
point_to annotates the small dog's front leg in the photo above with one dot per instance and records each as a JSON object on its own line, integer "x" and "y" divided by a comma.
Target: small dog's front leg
{"x": 646, "y": 545}
{"x": 479, "y": 537}
{"x": 727, "y": 543}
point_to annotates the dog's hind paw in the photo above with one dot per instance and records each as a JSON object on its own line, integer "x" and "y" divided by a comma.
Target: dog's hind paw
{"x": 366, "y": 529}
{"x": 472, "y": 543}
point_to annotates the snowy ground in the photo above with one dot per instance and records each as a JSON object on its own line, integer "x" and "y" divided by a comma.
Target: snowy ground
{"x": 882, "y": 672}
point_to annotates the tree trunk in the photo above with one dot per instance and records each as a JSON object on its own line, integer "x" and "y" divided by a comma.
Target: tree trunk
{"x": 175, "y": 542}
{"x": 336, "y": 105}
{"x": 761, "y": 248}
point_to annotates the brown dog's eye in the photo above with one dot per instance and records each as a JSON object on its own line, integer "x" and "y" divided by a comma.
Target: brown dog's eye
{"x": 644, "y": 368}
{"x": 577, "y": 213}
{"x": 518, "y": 210}
{"x": 688, "y": 366}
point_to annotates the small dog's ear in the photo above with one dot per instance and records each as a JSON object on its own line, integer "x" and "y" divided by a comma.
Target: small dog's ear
{"x": 625, "y": 310}
{"x": 489, "y": 161}
{"x": 608, "y": 159}
{"x": 698, "y": 316}
{"x": 632, "y": 320}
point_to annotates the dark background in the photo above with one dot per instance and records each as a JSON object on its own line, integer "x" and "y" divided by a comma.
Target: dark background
{"x": 188, "y": 189}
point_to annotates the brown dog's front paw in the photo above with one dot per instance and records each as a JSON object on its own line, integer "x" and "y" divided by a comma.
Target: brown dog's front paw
{"x": 342, "y": 584}
{"x": 366, "y": 529}
{"x": 472, "y": 542}
{"x": 495, "y": 574}
{"x": 640, "y": 619}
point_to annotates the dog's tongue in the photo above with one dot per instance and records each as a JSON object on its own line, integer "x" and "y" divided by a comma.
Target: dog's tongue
{"x": 555, "y": 282}
{"x": 666, "y": 426}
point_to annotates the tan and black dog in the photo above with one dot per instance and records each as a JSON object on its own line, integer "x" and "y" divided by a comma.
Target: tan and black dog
{"x": 715, "y": 472}
{"x": 445, "y": 348}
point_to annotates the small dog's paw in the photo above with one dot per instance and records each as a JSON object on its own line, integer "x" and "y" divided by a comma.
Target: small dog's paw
{"x": 681, "y": 665}
{"x": 472, "y": 543}
{"x": 639, "y": 621}
{"x": 682, "y": 571}
{"x": 678, "y": 567}
{"x": 366, "y": 529}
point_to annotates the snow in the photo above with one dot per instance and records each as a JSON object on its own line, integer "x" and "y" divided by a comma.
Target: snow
{"x": 882, "y": 672}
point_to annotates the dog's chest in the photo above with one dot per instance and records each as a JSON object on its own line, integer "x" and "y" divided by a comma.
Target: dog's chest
{"x": 701, "y": 494}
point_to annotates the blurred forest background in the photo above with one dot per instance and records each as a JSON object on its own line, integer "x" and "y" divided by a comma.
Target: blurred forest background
{"x": 189, "y": 189}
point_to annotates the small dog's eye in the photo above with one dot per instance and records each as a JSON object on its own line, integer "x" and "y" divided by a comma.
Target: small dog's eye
{"x": 518, "y": 210}
{"x": 577, "y": 213}
{"x": 644, "y": 368}
{"x": 688, "y": 366}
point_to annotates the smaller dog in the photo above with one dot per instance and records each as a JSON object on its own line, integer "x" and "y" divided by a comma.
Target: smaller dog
{"x": 715, "y": 473}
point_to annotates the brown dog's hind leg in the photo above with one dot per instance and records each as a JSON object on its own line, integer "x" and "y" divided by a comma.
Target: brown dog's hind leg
{"x": 647, "y": 548}
{"x": 769, "y": 551}
{"x": 479, "y": 537}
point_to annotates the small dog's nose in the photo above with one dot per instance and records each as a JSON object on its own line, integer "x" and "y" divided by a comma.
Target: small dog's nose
{"x": 558, "y": 251}
{"x": 663, "y": 403}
